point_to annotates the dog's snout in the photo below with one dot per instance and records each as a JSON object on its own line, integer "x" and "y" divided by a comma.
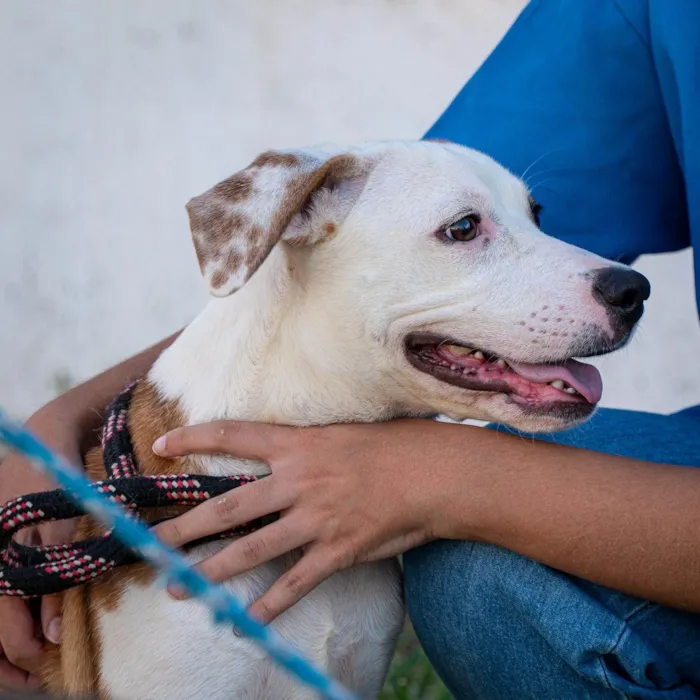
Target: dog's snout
{"x": 622, "y": 291}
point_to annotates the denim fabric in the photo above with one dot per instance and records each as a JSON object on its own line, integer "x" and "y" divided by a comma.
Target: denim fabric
{"x": 498, "y": 626}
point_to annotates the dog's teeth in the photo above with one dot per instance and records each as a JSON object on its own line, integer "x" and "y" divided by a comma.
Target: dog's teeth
{"x": 479, "y": 355}
{"x": 557, "y": 384}
{"x": 501, "y": 363}
{"x": 454, "y": 367}
{"x": 570, "y": 390}
{"x": 458, "y": 350}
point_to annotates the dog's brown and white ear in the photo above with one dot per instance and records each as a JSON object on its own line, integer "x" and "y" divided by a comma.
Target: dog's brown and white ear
{"x": 237, "y": 223}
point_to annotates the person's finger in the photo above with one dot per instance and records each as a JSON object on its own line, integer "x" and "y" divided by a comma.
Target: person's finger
{"x": 51, "y": 606}
{"x": 32, "y": 683}
{"x": 259, "y": 547}
{"x": 239, "y": 438}
{"x": 234, "y": 508}
{"x": 20, "y": 646}
{"x": 313, "y": 568}
{"x": 58, "y": 532}
{"x": 11, "y": 677}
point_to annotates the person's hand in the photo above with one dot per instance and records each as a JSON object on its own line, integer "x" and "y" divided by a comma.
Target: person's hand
{"x": 347, "y": 494}
{"x": 21, "y": 636}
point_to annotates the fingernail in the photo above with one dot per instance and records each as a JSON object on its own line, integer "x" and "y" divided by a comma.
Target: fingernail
{"x": 177, "y": 592}
{"x": 53, "y": 631}
{"x": 159, "y": 445}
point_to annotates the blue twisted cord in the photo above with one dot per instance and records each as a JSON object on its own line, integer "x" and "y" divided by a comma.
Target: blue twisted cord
{"x": 226, "y": 607}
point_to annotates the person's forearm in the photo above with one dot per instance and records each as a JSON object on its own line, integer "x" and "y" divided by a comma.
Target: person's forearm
{"x": 81, "y": 406}
{"x": 630, "y": 525}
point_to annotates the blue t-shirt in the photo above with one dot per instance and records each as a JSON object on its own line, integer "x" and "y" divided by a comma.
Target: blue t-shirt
{"x": 597, "y": 104}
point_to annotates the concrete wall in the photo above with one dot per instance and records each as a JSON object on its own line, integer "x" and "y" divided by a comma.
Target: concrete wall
{"x": 115, "y": 112}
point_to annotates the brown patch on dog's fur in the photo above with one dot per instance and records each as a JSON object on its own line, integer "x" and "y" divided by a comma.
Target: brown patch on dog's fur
{"x": 330, "y": 228}
{"x": 228, "y": 241}
{"x": 218, "y": 279}
{"x": 149, "y": 418}
{"x": 257, "y": 242}
{"x": 73, "y": 667}
{"x": 300, "y": 188}
{"x": 236, "y": 188}
{"x": 275, "y": 159}
{"x": 220, "y": 226}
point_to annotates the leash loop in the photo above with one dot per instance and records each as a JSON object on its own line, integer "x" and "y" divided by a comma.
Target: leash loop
{"x": 29, "y": 571}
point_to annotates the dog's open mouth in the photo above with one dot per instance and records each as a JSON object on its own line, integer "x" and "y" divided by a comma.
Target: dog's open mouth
{"x": 535, "y": 385}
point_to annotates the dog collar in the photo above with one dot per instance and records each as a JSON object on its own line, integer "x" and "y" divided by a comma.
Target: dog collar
{"x": 33, "y": 571}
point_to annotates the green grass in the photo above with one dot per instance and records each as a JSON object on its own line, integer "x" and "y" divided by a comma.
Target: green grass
{"x": 411, "y": 676}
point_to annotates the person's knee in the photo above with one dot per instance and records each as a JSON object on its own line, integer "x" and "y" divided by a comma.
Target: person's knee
{"x": 458, "y": 611}
{"x": 496, "y": 624}
{"x": 431, "y": 586}
{"x": 480, "y": 613}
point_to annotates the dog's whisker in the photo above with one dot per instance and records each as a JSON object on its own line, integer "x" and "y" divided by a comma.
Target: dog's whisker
{"x": 537, "y": 160}
{"x": 539, "y": 173}
{"x": 539, "y": 184}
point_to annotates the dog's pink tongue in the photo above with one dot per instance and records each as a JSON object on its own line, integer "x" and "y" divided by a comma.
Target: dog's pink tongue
{"x": 582, "y": 377}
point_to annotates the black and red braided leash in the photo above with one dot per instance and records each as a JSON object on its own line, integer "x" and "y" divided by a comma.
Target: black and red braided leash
{"x": 32, "y": 571}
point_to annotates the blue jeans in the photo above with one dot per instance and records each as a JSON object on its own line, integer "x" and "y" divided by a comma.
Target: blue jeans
{"x": 498, "y": 626}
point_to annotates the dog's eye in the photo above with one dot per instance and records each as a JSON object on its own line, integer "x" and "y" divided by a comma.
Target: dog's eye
{"x": 464, "y": 230}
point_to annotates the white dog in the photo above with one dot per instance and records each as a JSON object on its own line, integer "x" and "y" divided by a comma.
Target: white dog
{"x": 395, "y": 279}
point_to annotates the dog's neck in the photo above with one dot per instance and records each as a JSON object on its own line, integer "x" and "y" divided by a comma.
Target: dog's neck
{"x": 273, "y": 354}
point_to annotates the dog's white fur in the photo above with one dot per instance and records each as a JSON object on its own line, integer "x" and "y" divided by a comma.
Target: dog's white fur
{"x": 316, "y": 337}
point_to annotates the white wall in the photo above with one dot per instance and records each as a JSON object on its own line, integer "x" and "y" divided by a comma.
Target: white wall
{"x": 115, "y": 112}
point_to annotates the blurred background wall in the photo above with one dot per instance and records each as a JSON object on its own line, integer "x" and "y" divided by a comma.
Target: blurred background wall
{"x": 115, "y": 112}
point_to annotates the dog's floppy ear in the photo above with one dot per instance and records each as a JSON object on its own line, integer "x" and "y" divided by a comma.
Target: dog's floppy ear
{"x": 236, "y": 223}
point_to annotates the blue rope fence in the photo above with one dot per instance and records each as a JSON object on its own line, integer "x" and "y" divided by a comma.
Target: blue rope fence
{"x": 226, "y": 607}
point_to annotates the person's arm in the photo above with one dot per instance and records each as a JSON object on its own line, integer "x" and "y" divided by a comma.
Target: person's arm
{"x": 627, "y": 524}
{"x": 78, "y": 411}
{"x": 355, "y": 493}
{"x": 68, "y": 424}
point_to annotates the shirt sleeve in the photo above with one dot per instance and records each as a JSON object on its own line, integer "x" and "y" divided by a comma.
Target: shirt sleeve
{"x": 570, "y": 100}
{"x": 674, "y": 41}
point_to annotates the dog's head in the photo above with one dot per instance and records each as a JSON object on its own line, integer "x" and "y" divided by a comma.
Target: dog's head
{"x": 433, "y": 252}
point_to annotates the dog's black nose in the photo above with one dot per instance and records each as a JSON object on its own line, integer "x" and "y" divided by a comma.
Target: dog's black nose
{"x": 622, "y": 291}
